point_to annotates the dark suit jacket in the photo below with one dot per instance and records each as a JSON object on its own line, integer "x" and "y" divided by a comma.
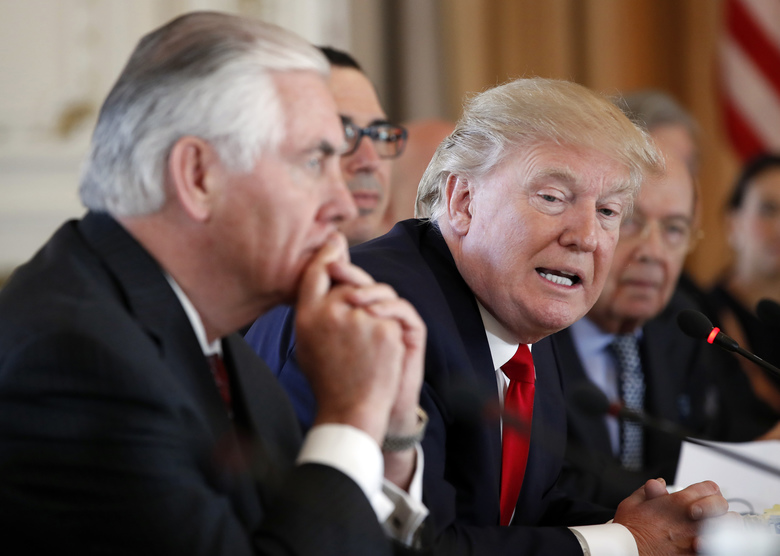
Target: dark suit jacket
{"x": 113, "y": 436}
{"x": 462, "y": 447}
{"x": 677, "y": 372}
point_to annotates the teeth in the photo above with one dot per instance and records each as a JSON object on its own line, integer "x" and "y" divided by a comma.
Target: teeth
{"x": 560, "y": 280}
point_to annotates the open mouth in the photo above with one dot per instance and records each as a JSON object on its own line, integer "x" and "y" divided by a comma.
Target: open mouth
{"x": 558, "y": 277}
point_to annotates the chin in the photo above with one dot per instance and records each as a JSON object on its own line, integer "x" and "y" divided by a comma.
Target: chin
{"x": 550, "y": 323}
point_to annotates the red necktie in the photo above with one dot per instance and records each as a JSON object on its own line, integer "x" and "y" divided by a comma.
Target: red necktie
{"x": 220, "y": 377}
{"x": 519, "y": 402}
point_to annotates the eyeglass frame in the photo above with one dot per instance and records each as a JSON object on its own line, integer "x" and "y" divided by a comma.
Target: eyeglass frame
{"x": 370, "y": 131}
{"x": 644, "y": 224}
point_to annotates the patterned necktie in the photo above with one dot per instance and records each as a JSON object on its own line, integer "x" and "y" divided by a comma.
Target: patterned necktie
{"x": 220, "y": 374}
{"x": 518, "y": 402}
{"x": 632, "y": 389}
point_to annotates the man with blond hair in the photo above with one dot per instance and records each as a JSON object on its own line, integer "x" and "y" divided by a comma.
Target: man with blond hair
{"x": 520, "y": 212}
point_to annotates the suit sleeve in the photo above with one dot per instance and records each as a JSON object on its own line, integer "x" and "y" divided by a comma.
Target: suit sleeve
{"x": 98, "y": 457}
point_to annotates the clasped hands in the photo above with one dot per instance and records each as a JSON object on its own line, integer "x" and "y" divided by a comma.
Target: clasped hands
{"x": 664, "y": 523}
{"x": 360, "y": 345}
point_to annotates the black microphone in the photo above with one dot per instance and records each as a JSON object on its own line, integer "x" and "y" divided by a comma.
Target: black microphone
{"x": 593, "y": 401}
{"x": 698, "y": 326}
{"x": 470, "y": 404}
{"x": 768, "y": 312}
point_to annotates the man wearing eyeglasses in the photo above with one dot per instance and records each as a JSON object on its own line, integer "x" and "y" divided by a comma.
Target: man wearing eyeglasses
{"x": 630, "y": 348}
{"x": 365, "y": 164}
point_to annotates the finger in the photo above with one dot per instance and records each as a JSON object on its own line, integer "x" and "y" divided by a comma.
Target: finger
{"x": 400, "y": 310}
{"x": 368, "y": 295}
{"x": 316, "y": 281}
{"x": 655, "y": 488}
{"x": 708, "y": 507}
{"x": 344, "y": 272}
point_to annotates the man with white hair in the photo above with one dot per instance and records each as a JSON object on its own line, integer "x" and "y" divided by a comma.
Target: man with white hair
{"x": 132, "y": 418}
{"x": 521, "y": 206}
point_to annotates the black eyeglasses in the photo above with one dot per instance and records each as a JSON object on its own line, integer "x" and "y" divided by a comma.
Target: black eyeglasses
{"x": 389, "y": 140}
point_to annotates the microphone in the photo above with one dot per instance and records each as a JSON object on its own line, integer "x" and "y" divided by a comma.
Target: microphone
{"x": 593, "y": 401}
{"x": 698, "y": 326}
{"x": 469, "y": 404}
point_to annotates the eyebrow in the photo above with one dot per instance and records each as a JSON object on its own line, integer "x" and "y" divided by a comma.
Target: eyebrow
{"x": 562, "y": 174}
{"x": 324, "y": 147}
{"x": 669, "y": 218}
{"x": 378, "y": 121}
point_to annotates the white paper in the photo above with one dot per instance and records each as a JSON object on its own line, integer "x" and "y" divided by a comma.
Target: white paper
{"x": 748, "y": 490}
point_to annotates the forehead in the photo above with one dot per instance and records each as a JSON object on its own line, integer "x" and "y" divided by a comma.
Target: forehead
{"x": 354, "y": 94}
{"x": 769, "y": 179}
{"x": 670, "y": 193}
{"x": 573, "y": 166}
{"x": 310, "y": 115}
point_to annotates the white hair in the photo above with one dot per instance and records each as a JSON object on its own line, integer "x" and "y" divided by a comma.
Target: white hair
{"x": 204, "y": 74}
{"x": 525, "y": 113}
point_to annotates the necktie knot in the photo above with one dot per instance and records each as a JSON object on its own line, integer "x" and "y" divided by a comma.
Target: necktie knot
{"x": 626, "y": 350}
{"x": 219, "y": 371}
{"x": 521, "y": 367}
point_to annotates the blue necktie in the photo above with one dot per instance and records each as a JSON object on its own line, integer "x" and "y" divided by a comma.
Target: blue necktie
{"x": 632, "y": 389}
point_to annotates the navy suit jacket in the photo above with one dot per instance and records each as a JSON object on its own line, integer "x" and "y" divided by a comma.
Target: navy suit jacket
{"x": 462, "y": 447}
{"x": 114, "y": 438}
{"x": 678, "y": 377}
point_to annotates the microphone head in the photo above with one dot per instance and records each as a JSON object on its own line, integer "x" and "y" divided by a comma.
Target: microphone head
{"x": 694, "y": 324}
{"x": 768, "y": 312}
{"x": 589, "y": 398}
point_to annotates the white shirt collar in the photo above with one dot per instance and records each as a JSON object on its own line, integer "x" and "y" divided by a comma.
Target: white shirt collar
{"x": 213, "y": 348}
{"x": 502, "y": 344}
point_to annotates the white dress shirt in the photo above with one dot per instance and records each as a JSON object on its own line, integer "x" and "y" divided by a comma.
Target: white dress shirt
{"x": 608, "y": 539}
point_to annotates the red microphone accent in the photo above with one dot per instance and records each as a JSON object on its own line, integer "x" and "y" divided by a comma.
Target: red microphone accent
{"x": 713, "y": 334}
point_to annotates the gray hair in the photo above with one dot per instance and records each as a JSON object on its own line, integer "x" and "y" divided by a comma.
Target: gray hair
{"x": 204, "y": 74}
{"x": 652, "y": 108}
{"x": 527, "y": 112}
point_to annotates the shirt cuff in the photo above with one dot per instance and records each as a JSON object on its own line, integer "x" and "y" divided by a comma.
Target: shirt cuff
{"x": 357, "y": 455}
{"x": 405, "y": 522}
{"x": 609, "y": 539}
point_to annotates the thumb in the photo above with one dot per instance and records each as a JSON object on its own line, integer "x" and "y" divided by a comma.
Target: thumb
{"x": 316, "y": 280}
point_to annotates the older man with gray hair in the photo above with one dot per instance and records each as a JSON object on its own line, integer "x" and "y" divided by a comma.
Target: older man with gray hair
{"x": 521, "y": 208}
{"x": 132, "y": 418}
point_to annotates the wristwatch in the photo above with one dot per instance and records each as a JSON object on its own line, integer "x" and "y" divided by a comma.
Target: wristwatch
{"x": 401, "y": 443}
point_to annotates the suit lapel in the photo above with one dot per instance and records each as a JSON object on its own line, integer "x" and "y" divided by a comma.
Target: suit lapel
{"x": 582, "y": 423}
{"x": 150, "y": 298}
{"x": 468, "y": 323}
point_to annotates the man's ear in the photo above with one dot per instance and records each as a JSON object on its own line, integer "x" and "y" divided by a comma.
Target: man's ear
{"x": 193, "y": 167}
{"x": 457, "y": 196}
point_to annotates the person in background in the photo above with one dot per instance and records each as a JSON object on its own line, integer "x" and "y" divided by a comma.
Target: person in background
{"x": 676, "y": 133}
{"x": 424, "y": 137}
{"x": 750, "y": 395}
{"x": 520, "y": 212}
{"x": 366, "y": 164}
{"x": 132, "y": 418}
{"x": 629, "y": 348}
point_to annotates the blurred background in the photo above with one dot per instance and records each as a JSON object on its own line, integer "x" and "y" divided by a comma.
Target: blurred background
{"x": 58, "y": 59}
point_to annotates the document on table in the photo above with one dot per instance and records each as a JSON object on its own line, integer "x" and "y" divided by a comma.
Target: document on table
{"x": 747, "y": 488}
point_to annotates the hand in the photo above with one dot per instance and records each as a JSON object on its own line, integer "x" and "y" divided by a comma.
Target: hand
{"x": 352, "y": 337}
{"x": 400, "y": 466}
{"x": 664, "y": 523}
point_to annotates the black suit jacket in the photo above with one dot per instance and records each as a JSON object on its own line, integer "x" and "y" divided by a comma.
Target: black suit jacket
{"x": 678, "y": 378}
{"x": 113, "y": 436}
{"x": 462, "y": 446}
